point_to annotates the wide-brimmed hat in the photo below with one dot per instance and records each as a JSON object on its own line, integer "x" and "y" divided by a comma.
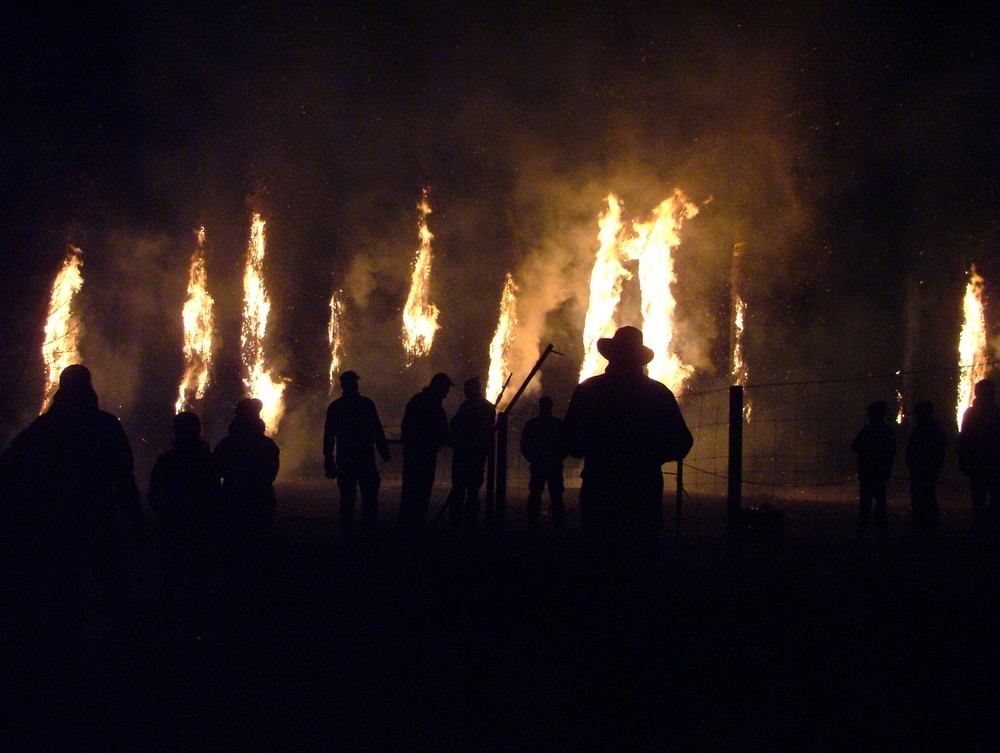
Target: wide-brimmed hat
{"x": 626, "y": 344}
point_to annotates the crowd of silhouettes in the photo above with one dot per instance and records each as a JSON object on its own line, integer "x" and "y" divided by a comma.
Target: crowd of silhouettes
{"x": 71, "y": 496}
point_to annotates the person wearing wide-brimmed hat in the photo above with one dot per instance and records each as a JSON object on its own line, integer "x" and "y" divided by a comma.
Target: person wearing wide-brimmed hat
{"x": 625, "y": 426}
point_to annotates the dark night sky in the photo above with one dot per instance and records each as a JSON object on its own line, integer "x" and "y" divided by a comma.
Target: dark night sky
{"x": 852, "y": 145}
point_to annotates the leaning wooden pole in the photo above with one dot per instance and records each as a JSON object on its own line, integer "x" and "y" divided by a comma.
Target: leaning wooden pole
{"x": 500, "y": 495}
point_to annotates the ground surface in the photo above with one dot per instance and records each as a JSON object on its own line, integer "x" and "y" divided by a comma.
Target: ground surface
{"x": 512, "y": 641}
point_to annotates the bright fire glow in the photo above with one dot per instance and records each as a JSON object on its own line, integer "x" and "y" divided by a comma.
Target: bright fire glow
{"x": 258, "y": 380}
{"x": 972, "y": 353}
{"x": 503, "y": 338}
{"x": 740, "y": 370}
{"x": 335, "y": 334}
{"x": 62, "y": 328}
{"x": 419, "y": 316}
{"x": 198, "y": 329}
{"x": 651, "y": 244}
{"x": 606, "y": 281}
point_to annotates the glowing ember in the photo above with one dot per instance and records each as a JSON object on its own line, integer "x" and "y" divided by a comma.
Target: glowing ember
{"x": 606, "y": 282}
{"x": 258, "y": 381}
{"x": 973, "y": 356}
{"x": 334, "y": 331}
{"x": 198, "y": 323}
{"x": 419, "y": 316}
{"x": 62, "y": 328}
{"x": 502, "y": 341}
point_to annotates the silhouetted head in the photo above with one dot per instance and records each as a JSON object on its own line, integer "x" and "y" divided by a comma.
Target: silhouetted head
{"x": 247, "y": 416}
{"x": 349, "y": 381}
{"x": 545, "y": 405}
{"x": 248, "y": 408}
{"x": 187, "y": 425}
{"x": 440, "y": 384}
{"x": 625, "y": 347}
{"x": 877, "y": 410}
{"x": 923, "y": 410}
{"x": 472, "y": 388}
{"x": 984, "y": 389}
{"x": 76, "y": 390}
{"x": 74, "y": 377}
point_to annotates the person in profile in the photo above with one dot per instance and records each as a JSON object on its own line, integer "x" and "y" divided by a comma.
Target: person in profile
{"x": 248, "y": 462}
{"x": 470, "y": 436}
{"x": 925, "y": 454}
{"x": 424, "y": 432}
{"x": 979, "y": 455}
{"x": 351, "y": 435}
{"x": 184, "y": 494}
{"x": 625, "y": 426}
{"x": 70, "y": 476}
{"x": 875, "y": 448}
{"x": 543, "y": 444}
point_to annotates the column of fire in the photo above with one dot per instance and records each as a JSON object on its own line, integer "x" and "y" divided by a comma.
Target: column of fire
{"x": 258, "y": 380}
{"x": 60, "y": 346}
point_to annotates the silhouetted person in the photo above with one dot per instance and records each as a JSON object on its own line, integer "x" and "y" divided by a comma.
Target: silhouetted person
{"x": 875, "y": 448}
{"x": 471, "y": 438}
{"x": 979, "y": 455}
{"x": 184, "y": 494}
{"x": 351, "y": 435}
{"x": 925, "y": 453}
{"x": 544, "y": 446}
{"x": 71, "y": 479}
{"x": 248, "y": 462}
{"x": 625, "y": 426}
{"x": 424, "y": 432}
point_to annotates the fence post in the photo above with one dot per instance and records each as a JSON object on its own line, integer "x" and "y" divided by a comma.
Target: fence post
{"x": 491, "y": 464}
{"x": 500, "y": 498}
{"x": 677, "y": 502}
{"x": 735, "y": 482}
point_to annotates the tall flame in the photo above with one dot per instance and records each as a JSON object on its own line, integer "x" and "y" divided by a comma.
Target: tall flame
{"x": 335, "y": 334}
{"x": 653, "y": 245}
{"x": 419, "y": 316}
{"x": 503, "y": 338}
{"x": 198, "y": 330}
{"x": 258, "y": 380}
{"x": 62, "y": 328}
{"x": 606, "y": 281}
{"x": 972, "y": 353}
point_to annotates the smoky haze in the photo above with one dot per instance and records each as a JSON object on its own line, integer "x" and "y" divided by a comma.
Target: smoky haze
{"x": 852, "y": 149}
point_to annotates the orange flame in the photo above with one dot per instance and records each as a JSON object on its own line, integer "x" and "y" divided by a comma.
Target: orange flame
{"x": 419, "y": 316}
{"x": 740, "y": 370}
{"x": 62, "y": 329}
{"x": 606, "y": 282}
{"x": 972, "y": 353}
{"x": 651, "y": 244}
{"x": 334, "y": 331}
{"x": 258, "y": 380}
{"x": 198, "y": 328}
{"x": 503, "y": 338}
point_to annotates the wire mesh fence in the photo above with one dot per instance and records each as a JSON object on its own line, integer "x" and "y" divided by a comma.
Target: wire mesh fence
{"x": 796, "y": 456}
